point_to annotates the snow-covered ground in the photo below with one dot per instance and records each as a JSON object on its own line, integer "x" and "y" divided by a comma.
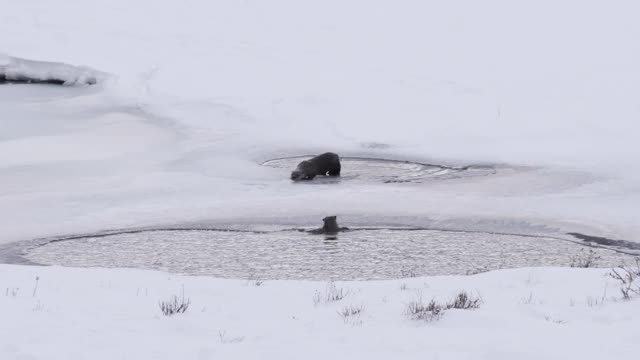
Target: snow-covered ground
{"x": 194, "y": 95}
{"x": 531, "y": 313}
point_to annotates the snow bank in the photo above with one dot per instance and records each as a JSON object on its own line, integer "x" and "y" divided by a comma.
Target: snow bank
{"x": 30, "y": 71}
{"x": 534, "y": 313}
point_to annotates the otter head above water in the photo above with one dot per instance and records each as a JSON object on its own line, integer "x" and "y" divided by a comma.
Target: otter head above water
{"x": 330, "y": 226}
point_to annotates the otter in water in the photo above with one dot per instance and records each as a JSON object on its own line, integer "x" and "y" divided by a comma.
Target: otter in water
{"x": 330, "y": 226}
{"x": 323, "y": 164}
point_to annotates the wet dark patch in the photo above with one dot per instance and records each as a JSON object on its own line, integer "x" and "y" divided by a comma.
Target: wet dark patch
{"x": 626, "y": 244}
{"x": 15, "y": 70}
{"x": 26, "y": 80}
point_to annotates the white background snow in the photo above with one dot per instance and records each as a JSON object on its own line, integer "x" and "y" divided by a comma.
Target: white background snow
{"x": 201, "y": 92}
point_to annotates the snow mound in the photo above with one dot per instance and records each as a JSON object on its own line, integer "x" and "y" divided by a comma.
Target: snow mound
{"x": 14, "y": 69}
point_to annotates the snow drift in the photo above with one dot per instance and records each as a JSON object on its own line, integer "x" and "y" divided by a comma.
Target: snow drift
{"x": 19, "y": 70}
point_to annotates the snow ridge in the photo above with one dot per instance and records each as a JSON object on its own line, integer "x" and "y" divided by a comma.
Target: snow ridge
{"x": 14, "y": 69}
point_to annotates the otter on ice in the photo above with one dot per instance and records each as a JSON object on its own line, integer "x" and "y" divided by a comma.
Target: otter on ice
{"x": 323, "y": 164}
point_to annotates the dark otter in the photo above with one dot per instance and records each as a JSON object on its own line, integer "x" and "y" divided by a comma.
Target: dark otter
{"x": 330, "y": 226}
{"x": 323, "y": 164}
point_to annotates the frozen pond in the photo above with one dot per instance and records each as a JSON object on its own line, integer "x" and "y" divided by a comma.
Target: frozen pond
{"x": 290, "y": 254}
{"x": 363, "y": 169}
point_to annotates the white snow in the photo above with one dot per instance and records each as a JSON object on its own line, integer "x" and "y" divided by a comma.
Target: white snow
{"x": 232, "y": 84}
{"x": 202, "y": 92}
{"x": 534, "y": 313}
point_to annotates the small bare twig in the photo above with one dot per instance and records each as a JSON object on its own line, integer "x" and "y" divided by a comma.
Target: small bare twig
{"x": 229, "y": 340}
{"x": 35, "y": 288}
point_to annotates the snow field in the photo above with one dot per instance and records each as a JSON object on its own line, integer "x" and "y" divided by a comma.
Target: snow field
{"x": 529, "y": 313}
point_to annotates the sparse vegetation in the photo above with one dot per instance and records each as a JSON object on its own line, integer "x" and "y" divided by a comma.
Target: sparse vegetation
{"x": 331, "y": 294}
{"x": 417, "y": 310}
{"x": 433, "y": 310}
{"x": 224, "y": 339}
{"x": 38, "y": 306}
{"x": 349, "y": 312}
{"x": 594, "y": 301}
{"x": 585, "y": 259}
{"x": 146, "y": 292}
{"x": 174, "y": 306}
{"x": 555, "y": 321}
{"x": 254, "y": 280}
{"x": 629, "y": 278}
{"x": 12, "y": 292}
{"x": 463, "y": 301}
{"x": 531, "y": 300}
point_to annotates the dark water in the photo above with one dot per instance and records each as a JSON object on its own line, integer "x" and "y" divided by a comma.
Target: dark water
{"x": 386, "y": 171}
{"x": 354, "y": 255}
